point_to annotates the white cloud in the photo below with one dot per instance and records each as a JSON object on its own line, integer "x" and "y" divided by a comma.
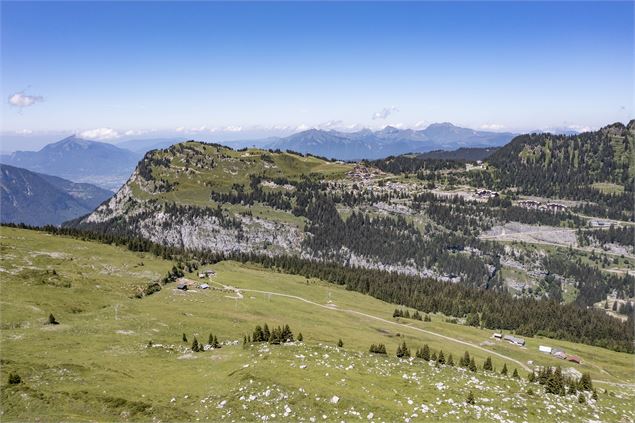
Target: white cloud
{"x": 100, "y": 134}
{"x": 492, "y": 126}
{"x": 135, "y": 132}
{"x": 385, "y": 112}
{"x": 331, "y": 124}
{"x": 23, "y": 100}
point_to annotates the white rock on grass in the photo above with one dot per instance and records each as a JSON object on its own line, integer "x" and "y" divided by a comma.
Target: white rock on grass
{"x": 335, "y": 399}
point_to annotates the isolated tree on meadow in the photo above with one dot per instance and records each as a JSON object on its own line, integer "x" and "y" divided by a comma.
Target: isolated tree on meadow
{"x": 487, "y": 365}
{"x": 52, "y": 320}
{"x": 504, "y": 371}
{"x": 470, "y": 398}
{"x": 184, "y": 337}
{"x": 300, "y": 337}
{"x": 515, "y": 374}
{"x": 340, "y": 343}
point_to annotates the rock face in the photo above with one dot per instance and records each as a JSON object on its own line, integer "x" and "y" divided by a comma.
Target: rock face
{"x": 190, "y": 227}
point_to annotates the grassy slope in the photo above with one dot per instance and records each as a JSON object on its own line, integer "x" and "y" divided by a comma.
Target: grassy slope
{"x": 96, "y": 364}
{"x": 230, "y": 167}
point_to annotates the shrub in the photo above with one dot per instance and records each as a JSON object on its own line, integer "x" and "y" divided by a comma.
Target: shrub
{"x": 14, "y": 379}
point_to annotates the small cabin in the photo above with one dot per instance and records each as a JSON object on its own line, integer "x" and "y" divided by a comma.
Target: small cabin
{"x": 182, "y": 286}
{"x": 514, "y": 340}
{"x": 498, "y": 335}
{"x": 204, "y": 286}
{"x": 544, "y": 349}
{"x": 559, "y": 354}
{"x": 574, "y": 358}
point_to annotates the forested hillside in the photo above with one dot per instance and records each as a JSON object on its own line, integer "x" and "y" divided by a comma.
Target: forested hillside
{"x": 598, "y": 167}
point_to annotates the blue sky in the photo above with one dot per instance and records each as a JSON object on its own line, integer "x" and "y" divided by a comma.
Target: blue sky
{"x": 118, "y": 70}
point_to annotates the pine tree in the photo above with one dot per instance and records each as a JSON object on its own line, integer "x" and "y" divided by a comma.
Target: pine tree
{"x": 470, "y": 398}
{"x": 433, "y": 356}
{"x": 585, "y": 383}
{"x": 451, "y": 360}
{"x": 504, "y": 371}
{"x": 184, "y": 337}
{"x": 487, "y": 365}
{"x": 300, "y": 337}
{"x": 210, "y": 340}
{"x": 340, "y": 343}
{"x": 531, "y": 377}
{"x": 266, "y": 334}
{"x": 403, "y": 351}
{"x": 52, "y": 320}
{"x": 258, "y": 335}
{"x": 581, "y": 398}
{"x": 515, "y": 374}
{"x": 215, "y": 343}
{"x": 195, "y": 345}
{"x": 425, "y": 353}
{"x": 465, "y": 361}
{"x": 441, "y": 359}
{"x": 472, "y": 364}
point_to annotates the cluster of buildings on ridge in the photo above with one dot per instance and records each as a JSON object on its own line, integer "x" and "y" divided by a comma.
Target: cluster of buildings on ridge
{"x": 537, "y": 205}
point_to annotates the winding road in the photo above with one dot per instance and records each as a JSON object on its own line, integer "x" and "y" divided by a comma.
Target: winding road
{"x": 332, "y": 307}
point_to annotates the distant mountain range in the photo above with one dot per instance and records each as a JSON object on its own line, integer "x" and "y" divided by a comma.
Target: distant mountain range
{"x": 79, "y": 160}
{"x": 38, "y": 199}
{"x": 109, "y": 166}
{"x": 390, "y": 141}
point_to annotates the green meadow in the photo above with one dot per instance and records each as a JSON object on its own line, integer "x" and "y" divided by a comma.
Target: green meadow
{"x": 115, "y": 357}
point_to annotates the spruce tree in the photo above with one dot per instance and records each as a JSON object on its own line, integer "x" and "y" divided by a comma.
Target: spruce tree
{"x": 470, "y": 398}
{"x": 472, "y": 364}
{"x": 441, "y": 359}
{"x": 300, "y": 337}
{"x": 266, "y": 334}
{"x": 450, "y": 360}
{"x": 52, "y": 320}
{"x": 425, "y": 353}
{"x": 433, "y": 357}
{"x": 515, "y": 374}
{"x": 581, "y": 398}
{"x": 195, "y": 345}
{"x": 504, "y": 371}
{"x": 340, "y": 343}
{"x": 531, "y": 377}
{"x": 210, "y": 339}
{"x": 487, "y": 365}
{"x": 184, "y": 337}
{"x": 465, "y": 361}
